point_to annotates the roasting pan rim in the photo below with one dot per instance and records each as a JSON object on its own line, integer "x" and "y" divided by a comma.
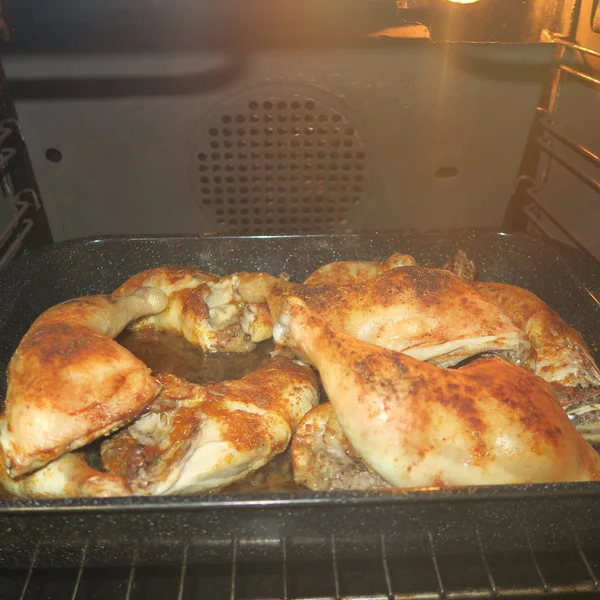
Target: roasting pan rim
{"x": 399, "y": 498}
{"x": 201, "y": 502}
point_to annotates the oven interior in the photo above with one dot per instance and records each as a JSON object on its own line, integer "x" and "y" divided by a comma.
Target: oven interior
{"x": 150, "y": 117}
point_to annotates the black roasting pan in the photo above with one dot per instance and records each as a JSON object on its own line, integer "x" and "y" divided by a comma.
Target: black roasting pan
{"x": 215, "y": 527}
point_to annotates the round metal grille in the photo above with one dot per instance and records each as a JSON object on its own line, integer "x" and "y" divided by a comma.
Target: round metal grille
{"x": 281, "y": 161}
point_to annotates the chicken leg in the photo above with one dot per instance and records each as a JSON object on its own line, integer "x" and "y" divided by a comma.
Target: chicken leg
{"x": 69, "y": 476}
{"x": 70, "y": 383}
{"x": 415, "y": 425}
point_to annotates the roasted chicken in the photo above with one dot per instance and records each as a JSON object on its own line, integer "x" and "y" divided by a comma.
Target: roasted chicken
{"x": 426, "y": 313}
{"x": 69, "y": 476}
{"x": 198, "y": 438}
{"x": 70, "y": 383}
{"x": 203, "y": 308}
{"x": 562, "y": 355}
{"x": 416, "y": 425}
{"x": 324, "y": 460}
{"x": 355, "y": 271}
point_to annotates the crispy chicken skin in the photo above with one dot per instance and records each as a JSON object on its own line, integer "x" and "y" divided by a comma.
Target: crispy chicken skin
{"x": 562, "y": 355}
{"x": 69, "y": 476}
{"x": 324, "y": 460}
{"x": 70, "y": 383}
{"x": 203, "y": 308}
{"x": 356, "y": 271}
{"x": 429, "y": 314}
{"x": 171, "y": 279}
{"x": 198, "y": 438}
{"x": 415, "y": 424}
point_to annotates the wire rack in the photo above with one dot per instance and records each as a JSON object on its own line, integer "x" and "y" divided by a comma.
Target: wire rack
{"x": 528, "y": 208}
{"x": 385, "y": 576}
{"x": 18, "y": 192}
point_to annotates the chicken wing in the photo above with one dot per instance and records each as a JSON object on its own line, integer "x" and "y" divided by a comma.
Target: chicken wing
{"x": 203, "y": 308}
{"x": 70, "y": 383}
{"x": 416, "y": 425}
{"x": 356, "y": 271}
{"x": 324, "y": 460}
{"x": 427, "y": 313}
{"x": 198, "y": 438}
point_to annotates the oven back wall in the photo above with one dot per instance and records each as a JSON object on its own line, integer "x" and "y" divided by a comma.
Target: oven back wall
{"x": 416, "y": 135}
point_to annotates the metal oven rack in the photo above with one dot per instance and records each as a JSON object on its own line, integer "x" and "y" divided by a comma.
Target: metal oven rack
{"x": 549, "y": 147}
{"x": 22, "y": 217}
{"x": 385, "y": 576}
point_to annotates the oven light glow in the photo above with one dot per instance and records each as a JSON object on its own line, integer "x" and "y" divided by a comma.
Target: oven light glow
{"x": 463, "y": 1}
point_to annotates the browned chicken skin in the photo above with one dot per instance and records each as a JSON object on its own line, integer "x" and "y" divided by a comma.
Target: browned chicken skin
{"x": 203, "y": 308}
{"x": 201, "y": 437}
{"x": 562, "y": 354}
{"x": 354, "y": 271}
{"x": 70, "y": 383}
{"x": 427, "y": 313}
{"x": 559, "y": 355}
{"x": 407, "y": 423}
{"x": 415, "y": 424}
{"x": 69, "y": 476}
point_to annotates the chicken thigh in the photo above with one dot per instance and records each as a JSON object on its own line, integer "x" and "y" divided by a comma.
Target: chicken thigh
{"x": 416, "y": 425}
{"x": 198, "y": 438}
{"x": 426, "y": 313}
{"x": 70, "y": 383}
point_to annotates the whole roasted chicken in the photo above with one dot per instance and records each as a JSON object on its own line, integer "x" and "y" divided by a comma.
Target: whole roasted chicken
{"x": 416, "y": 425}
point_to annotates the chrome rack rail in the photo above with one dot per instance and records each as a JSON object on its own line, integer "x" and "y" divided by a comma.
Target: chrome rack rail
{"x": 527, "y": 209}
{"x": 22, "y": 218}
{"x": 385, "y": 577}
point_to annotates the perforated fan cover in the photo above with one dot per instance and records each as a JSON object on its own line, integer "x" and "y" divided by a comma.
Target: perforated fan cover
{"x": 281, "y": 159}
